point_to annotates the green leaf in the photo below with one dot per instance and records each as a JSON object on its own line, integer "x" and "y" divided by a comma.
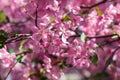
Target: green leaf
{"x": 61, "y": 67}
{"x": 83, "y": 37}
{"x": 2, "y": 16}
{"x": 11, "y": 51}
{"x": 31, "y": 74}
{"x": 101, "y": 75}
{"x": 84, "y": 12}
{"x": 23, "y": 63}
{"x": 99, "y": 46}
{"x": 3, "y": 36}
{"x": 94, "y": 59}
{"x": 52, "y": 19}
{"x": 19, "y": 58}
{"x": 21, "y": 47}
{"x": 42, "y": 70}
{"x": 27, "y": 50}
{"x": 1, "y": 45}
{"x": 99, "y": 12}
{"x": 66, "y": 18}
{"x": 36, "y": 75}
{"x": 68, "y": 65}
{"x": 115, "y": 36}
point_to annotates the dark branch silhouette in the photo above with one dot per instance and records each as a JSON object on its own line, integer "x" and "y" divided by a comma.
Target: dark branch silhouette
{"x": 110, "y": 59}
{"x": 94, "y": 5}
{"x": 36, "y": 16}
{"x": 17, "y": 37}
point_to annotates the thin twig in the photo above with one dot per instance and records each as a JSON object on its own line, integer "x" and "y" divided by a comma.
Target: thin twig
{"x": 94, "y": 5}
{"x": 92, "y": 37}
{"x": 24, "y": 52}
{"x": 14, "y": 22}
{"x": 102, "y": 36}
{"x": 110, "y": 59}
{"x": 110, "y": 42}
{"x": 10, "y": 71}
{"x": 17, "y": 37}
{"x": 36, "y": 16}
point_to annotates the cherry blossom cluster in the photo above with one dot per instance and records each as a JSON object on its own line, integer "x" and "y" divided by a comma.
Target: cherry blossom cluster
{"x": 44, "y": 39}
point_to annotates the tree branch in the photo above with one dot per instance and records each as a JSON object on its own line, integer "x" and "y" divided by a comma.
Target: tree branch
{"x": 94, "y": 5}
{"x": 109, "y": 61}
{"x": 102, "y": 36}
{"x": 10, "y": 71}
{"x": 110, "y": 42}
{"x": 17, "y": 37}
{"x": 36, "y": 16}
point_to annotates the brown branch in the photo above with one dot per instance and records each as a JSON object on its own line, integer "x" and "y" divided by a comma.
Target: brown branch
{"x": 104, "y": 36}
{"x": 20, "y": 53}
{"x": 92, "y": 37}
{"x": 24, "y": 51}
{"x": 17, "y": 37}
{"x": 110, "y": 42}
{"x": 10, "y": 71}
{"x": 14, "y": 22}
{"x": 36, "y": 16}
{"x": 78, "y": 33}
{"x": 109, "y": 60}
{"x": 94, "y": 5}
